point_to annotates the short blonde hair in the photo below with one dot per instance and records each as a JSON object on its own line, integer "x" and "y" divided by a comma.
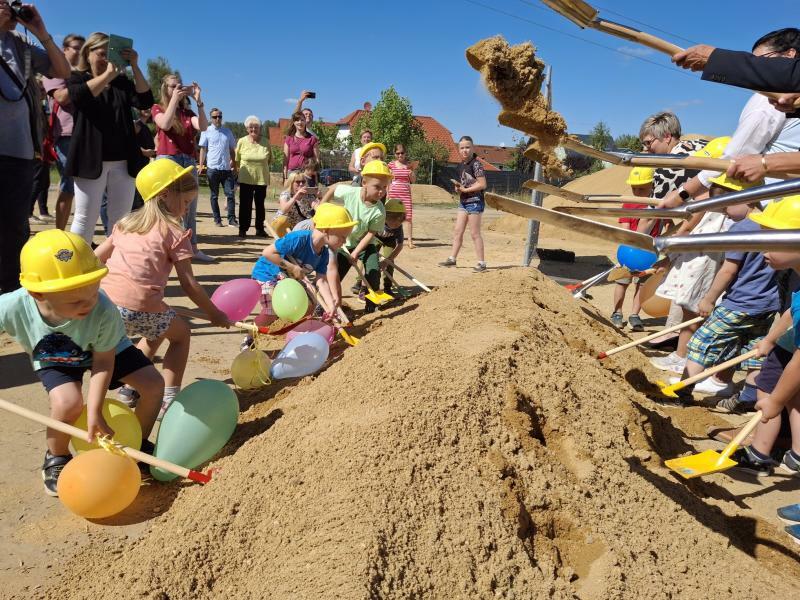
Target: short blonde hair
{"x": 661, "y": 124}
{"x": 98, "y": 39}
{"x": 252, "y": 119}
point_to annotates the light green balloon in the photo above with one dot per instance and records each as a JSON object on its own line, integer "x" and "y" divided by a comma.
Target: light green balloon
{"x": 198, "y": 423}
{"x": 289, "y": 300}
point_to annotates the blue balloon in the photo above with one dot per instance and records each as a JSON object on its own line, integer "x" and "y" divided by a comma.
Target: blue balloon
{"x": 635, "y": 259}
{"x": 301, "y": 356}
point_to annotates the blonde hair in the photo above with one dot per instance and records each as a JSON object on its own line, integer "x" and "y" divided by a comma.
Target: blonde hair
{"x": 96, "y": 40}
{"x": 293, "y": 176}
{"x": 155, "y": 212}
{"x": 166, "y": 95}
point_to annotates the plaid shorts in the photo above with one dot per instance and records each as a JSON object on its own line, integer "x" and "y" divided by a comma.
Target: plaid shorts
{"x": 728, "y": 333}
{"x": 149, "y": 325}
{"x": 267, "y": 288}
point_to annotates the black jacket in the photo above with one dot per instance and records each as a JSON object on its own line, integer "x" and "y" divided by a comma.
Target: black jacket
{"x": 742, "y": 69}
{"x": 97, "y": 116}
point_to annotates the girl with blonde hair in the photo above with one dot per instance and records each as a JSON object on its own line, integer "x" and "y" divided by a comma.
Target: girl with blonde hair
{"x": 140, "y": 254}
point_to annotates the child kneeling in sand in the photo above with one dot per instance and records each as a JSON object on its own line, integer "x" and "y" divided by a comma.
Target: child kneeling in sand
{"x": 68, "y": 326}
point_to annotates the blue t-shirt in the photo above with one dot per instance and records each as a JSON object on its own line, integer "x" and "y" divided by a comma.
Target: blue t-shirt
{"x": 296, "y": 245}
{"x": 68, "y": 344}
{"x": 219, "y": 142}
{"x": 755, "y": 289}
{"x": 795, "y": 320}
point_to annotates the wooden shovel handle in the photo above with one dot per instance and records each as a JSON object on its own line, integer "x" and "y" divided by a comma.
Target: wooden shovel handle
{"x": 81, "y": 433}
{"x": 634, "y": 35}
{"x": 194, "y": 314}
{"x": 409, "y": 275}
{"x": 647, "y": 338}
{"x": 715, "y": 369}
{"x": 736, "y": 442}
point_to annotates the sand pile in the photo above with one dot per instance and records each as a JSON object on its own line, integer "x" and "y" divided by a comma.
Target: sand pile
{"x": 513, "y": 75}
{"x": 471, "y": 448}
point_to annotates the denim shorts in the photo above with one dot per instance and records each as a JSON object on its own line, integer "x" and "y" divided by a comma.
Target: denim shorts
{"x": 473, "y": 207}
{"x": 62, "y": 149}
{"x": 130, "y": 360}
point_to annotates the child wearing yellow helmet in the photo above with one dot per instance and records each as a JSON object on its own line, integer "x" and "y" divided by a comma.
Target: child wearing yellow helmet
{"x": 392, "y": 238}
{"x": 68, "y": 326}
{"x": 140, "y": 253}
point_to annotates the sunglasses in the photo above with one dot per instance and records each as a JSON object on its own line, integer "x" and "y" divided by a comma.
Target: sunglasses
{"x": 216, "y": 116}
{"x": 400, "y": 153}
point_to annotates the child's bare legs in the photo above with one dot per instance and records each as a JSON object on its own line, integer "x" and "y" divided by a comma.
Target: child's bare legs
{"x": 686, "y": 333}
{"x": 66, "y": 404}
{"x": 177, "y": 353}
{"x": 458, "y": 232}
{"x": 619, "y": 296}
{"x": 637, "y": 302}
{"x": 475, "y": 232}
{"x": 408, "y": 230}
{"x": 150, "y": 385}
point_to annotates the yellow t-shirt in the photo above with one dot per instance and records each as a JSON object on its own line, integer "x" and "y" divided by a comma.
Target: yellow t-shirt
{"x": 253, "y": 159}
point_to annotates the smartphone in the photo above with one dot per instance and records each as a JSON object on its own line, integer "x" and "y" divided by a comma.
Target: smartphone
{"x": 116, "y": 44}
{"x": 312, "y": 190}
{"x": 455, "y": 182}
{"x": 312, "y": 94}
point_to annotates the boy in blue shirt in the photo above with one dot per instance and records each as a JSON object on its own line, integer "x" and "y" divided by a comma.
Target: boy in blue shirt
{"x": 68, "y": 326}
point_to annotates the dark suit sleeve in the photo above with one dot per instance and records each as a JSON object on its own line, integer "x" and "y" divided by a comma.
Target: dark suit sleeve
{"x": 742, "y": 69}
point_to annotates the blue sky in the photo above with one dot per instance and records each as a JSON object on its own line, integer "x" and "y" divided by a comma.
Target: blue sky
{"x": 253, "y": 57}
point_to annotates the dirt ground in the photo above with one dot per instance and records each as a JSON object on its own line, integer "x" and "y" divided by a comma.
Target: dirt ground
{"x": 40, "y": 536}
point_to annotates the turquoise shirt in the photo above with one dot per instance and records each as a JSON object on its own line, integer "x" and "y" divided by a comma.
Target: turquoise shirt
{"x": 69, "y": 344}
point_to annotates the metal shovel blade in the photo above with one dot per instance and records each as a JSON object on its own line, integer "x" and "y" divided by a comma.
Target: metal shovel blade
{"x": 697, "y": 465}
{"x": 576, "y": 11}
{"x": 641, "y": 213}
{"x": 751, "y": 241}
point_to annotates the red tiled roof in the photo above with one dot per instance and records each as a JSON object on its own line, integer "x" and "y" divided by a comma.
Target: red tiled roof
{"x": 494, "y": 154}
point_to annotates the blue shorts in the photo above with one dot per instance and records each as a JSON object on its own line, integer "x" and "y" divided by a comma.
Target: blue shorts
{"x": 62, "y": 149}
{"x": 772, "y": 369}
{"x": 473, "y": 207}
{"x": 130, "y": 360}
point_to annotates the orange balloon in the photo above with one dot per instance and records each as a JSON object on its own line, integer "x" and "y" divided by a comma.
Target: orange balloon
{"x": 653, "y": 305}
{"x": 98, "y": 484}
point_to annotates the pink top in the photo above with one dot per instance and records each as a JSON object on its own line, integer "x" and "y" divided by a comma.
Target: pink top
{"x": 171, "y": 142}
{"x": 64, "y": 120}
{"x": 140, "y": 265}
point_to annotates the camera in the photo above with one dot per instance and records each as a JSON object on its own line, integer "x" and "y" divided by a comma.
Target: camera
{"x": 20, "y": 12}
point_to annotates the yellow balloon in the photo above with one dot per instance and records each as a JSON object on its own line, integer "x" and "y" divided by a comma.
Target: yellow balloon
{"x": 98, "y": 484}
{"x": 250, "y": 370}
{"x": 127, "y": 429}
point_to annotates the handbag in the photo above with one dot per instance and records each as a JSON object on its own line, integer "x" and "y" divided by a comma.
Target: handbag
{"x": 49, "y": 154}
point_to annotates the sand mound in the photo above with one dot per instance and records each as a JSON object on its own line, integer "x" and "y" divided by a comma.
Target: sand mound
{"x": 471, "y": 448}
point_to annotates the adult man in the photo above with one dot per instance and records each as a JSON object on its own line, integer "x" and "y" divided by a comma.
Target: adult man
{"x": 218, "y": 148}
{"x": 58, "y": 98}
{"x": 20, "y": 134}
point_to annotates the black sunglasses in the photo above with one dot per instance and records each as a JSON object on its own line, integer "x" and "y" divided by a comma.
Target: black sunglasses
{"x": 216, "y": 116}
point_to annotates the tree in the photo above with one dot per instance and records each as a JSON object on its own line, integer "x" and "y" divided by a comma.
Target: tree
{"x": 519, "y": 162}
{"x": 600, "y": 136}
{"x": 328, "y": 136}
{"x": 391, "y": 121}
{"x": 156, "y": 69}
{"x": 628, "y": 141}
{"x": 426, "y": 152}
{"x": 276, "y": 166}
{"x": 237, "y": 128}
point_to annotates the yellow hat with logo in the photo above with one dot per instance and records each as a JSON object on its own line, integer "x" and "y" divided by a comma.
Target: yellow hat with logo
{"x": 714, "y": 149}
{"x": 371, "y": 146}
{"x": 58, "y": 261}
{"x": 783, "y": 214}
{"x": 332, "y": 216}
{"x": 157, "y": 176}
{"x": 376, "y": 168}
{"x": 640, "y": 176}
{"x": 736, "y": 185}
{"x": 393, "y": 205}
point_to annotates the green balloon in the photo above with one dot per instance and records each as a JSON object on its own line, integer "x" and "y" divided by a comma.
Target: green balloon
{"x": 289, "y": 300}
{"x": 198, "y": 423}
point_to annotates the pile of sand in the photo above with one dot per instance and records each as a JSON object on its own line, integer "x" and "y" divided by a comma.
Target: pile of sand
{"x": 471, "y": 448}
{"x": 513, "y": 75}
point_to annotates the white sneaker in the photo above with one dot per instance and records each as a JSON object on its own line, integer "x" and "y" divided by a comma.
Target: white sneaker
{"x": 671, "y": 362}
{"x": 714, "y": 387}
{"x": 203, "y": 257}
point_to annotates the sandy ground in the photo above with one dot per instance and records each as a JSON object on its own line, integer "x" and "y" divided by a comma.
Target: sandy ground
{"x": 39, "y": 534}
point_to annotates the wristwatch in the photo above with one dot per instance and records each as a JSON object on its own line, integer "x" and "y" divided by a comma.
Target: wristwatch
{"x": 683, "y": 194}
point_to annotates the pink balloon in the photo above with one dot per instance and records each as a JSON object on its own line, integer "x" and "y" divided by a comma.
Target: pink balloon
{"x": 237, "y": 298}
{"x": 322, "y": 329}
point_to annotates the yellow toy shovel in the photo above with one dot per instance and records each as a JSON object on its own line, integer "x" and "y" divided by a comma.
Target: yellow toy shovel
{"x": 711, "y": 461}
{"x": 372, "y": 296}
{"x": 669, "y": 390}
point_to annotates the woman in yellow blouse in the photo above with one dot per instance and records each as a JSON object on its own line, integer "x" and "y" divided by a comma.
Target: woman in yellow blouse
{"x": 252, "y": 162}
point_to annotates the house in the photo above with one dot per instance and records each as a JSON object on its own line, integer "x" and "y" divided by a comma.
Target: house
{"x": 499, "y": 156}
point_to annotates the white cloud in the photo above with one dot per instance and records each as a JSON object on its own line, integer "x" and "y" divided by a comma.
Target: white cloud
{"x": 290, "y": 100}
{"x": 684, "y": 104}
{"x": 636, "y": 51}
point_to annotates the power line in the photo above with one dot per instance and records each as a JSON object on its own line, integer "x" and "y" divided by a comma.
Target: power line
{"x": 577, "y": 37}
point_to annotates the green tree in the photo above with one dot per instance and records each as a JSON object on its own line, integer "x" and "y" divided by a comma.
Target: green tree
{"x": 237, "y": 128}
{"x": 328, "y": 136}
{"x": 519, "y": 162}
{"x": 156, "y": 69}
{"x": 427, "y": 153}
{"x": 391, "y": 121}
{"x": 276, "y": 166}
{"x": 600, "y": 136}
{"x": 628, "y": 141}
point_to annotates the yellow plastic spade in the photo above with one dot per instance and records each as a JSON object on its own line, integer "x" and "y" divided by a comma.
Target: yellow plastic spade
{"x": 711, "y": 461}
{"x": 669, "y": 390}
{"x": 372, "y": 296}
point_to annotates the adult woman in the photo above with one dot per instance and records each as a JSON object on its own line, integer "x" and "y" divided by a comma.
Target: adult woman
{"x": 252, "y": 163}
{"x": 400, "y": 188}
{"x": 177, "y": 126}
{"x": 298, "y": 145}
{"x": 355, "y": 158}
{"x": 103, "y": 153}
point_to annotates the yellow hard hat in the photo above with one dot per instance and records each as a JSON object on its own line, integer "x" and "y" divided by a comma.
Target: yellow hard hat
{"x": 713, "y": 149}
{"x": 157, "y": 176}
{"x": 737, "y": 185}
{"x": 58, "y": 261}
{"x": 393, "y": 205}
{"x": 332, "y": 216}
{"x": 783, "y": 214}
{"x": 640, "y": 176}
{"x": 372, "y": 145}
{"x": 376, "y": 168}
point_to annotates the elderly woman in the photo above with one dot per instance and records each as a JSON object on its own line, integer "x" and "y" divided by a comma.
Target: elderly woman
{"x": 298, "y": 145}
{"x": 252, "y": 160}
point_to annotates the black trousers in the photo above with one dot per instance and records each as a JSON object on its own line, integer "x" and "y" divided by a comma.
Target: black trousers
{"x": 370, "y": 259}
{"x": 16, "y": 183}
{"x": 41, "y": 185}
{"x": 247, "y": 195}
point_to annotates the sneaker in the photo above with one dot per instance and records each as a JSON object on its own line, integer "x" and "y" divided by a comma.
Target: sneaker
{"x": 794, "y": 533}
{"x": 51, "y": 470}
{"x": 750, "y": 463}
{"x": 218, "y": 223}
{"x": 318, "y": 312}
{"x": 790, "y": 463}
{"x": 233, "y": 223}
{"x": 362, "y": 294}
{"x": 128, "y": 396}
{"x": 261, "y": 233}
{"x": 790, "y": 514}
{"x": 450, "y": 262}
{"x": 735, "y": 406}
{"x": 635, "y": 322}
{"x": 35, "y": 219}
{"x": 47, "y": 218}
{"x": 356, "y": 289}
{"x": 671, "y": 362}
{"x": 711, "y": 387}
{"x": 247, "y": 343}
{"x": 203, "y": 257}
{"x": 617, "y": 320}
{"x": 479, "y": 268}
